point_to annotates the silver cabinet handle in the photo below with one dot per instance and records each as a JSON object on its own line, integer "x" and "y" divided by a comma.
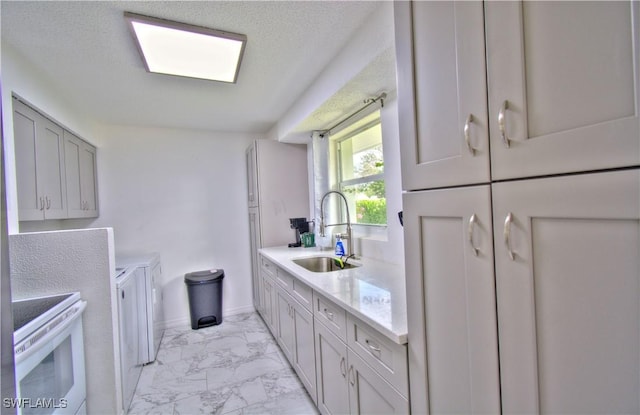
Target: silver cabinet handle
{"x": 467, "y": 134}
{"x": 502, "y": 123}
{"x": 372, "y": 346}
{"x": 352, "y": 378}
{"x": 41, "y": 203}
{"x": 472, "y": 223}
{"x": 48, "y": 202}
{"x": 343, "y": 367}
{"x": 329, "y": 314}
{"x": 507, "y": 235}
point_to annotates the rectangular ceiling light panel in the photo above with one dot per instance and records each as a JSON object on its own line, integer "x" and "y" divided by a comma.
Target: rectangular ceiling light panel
{"x": 180, "y": 49}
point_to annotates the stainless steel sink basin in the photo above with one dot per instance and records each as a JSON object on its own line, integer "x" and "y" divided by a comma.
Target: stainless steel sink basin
{"x": 321, "y": 264}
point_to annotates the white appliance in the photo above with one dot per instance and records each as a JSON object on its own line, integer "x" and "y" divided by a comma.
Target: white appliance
{"x": 49, "y": 355}
{"x": 149, "y": 264}
{"x": 132, "y": 328}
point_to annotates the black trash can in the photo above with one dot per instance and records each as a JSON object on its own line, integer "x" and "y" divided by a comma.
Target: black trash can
{"x": 204, "y": 289}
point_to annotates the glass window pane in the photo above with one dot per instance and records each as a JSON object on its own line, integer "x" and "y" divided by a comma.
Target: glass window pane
{"x": 361, "y": 155}
{"x": 368, "y": 202}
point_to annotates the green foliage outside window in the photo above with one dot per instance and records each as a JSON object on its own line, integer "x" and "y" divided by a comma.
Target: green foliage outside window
{"x": 372, "y": 211}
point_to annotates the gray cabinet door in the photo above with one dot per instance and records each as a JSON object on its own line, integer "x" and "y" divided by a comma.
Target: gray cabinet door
{"x": 331, "y": 369}
{"x": 252, "y": 176}
{"x": 268, "y": 303}
{"x": 80, "y": 167}
{"x": 451, "y": 305}
{"x": 254, "y": 245}
{"x": 304, "y": 360}
{"x": 563, "y": 86}
{"x": 442, "y": 104}
{"x": 24, "y": 130}
{"x": 284, "y": 325}
{"x": 89, "y": 180}
{"x": 568, "y": 292}
{"x": 369, "y": 393}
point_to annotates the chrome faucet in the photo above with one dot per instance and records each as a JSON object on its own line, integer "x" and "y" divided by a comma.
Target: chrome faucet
{"x": 348, "y": 223}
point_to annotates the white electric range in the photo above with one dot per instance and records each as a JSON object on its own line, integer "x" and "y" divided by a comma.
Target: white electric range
{"x": 49, "y": 355}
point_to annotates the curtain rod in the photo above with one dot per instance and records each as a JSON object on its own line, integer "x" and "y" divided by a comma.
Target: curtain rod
{"x": 367, "y": 102}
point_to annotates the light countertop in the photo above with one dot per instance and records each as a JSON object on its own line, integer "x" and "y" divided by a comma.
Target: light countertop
{"x": 373, "y": 292}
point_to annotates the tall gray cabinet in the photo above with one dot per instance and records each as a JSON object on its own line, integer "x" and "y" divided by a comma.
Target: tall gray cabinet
{"x": 277, "y": 189}
{"x": 520, "y": 145}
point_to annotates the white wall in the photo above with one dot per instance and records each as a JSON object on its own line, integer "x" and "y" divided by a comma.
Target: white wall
{"x": 181, "y": 193}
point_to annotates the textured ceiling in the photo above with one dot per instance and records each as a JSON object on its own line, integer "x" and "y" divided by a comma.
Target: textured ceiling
{"x": 378, "y": 77}
{"x": 86, "y": 50}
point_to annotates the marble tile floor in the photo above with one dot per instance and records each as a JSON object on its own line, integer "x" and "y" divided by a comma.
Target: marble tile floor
{"x": 234, "y": 368}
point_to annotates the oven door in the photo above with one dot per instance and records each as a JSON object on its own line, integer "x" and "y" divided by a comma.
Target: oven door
{"x": 50, "y": 373}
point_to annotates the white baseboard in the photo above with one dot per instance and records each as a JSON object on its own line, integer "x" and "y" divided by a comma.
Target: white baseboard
{"x": 186, "y": 321}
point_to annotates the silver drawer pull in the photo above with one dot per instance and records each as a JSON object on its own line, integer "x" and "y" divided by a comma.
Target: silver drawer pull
{"x": 502, "y": 123}
{"x": 472, "y": 222}
{"x": 507, "y": 235}
{"x": 352, "y": 377}
{"x": 329, "y": 314}
{"x": 372, "y": 346}
{"x": 467, "y": 134}
{"x": 343, "y": 367}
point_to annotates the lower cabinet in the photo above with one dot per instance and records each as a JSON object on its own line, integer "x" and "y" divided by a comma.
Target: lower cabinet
{"x": 346, "y": 366}
{"x": 294, "y": 334}
{"x": 268, "y": 302}
{"x": 346, "y": 384}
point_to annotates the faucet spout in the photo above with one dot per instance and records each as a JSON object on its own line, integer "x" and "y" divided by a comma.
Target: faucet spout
{"x": 323, "y": 225}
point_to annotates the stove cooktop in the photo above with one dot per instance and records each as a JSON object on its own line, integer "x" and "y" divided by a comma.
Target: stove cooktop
{"x": 31, "y": 313}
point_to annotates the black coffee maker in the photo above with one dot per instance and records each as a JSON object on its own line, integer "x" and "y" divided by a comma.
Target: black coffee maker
{"x": 301, "y": 226}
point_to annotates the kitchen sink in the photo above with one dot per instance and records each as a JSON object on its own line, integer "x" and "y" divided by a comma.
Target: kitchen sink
{"x": 321, "y": 264}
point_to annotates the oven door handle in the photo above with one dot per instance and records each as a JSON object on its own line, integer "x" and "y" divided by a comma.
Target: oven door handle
{"x": 46, "y": 333}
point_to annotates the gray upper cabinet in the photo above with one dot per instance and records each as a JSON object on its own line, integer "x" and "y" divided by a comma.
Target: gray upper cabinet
{"x": 80, "y": 162}
{"x": 563, "y": 86}
{"x": 560, "y": 78}
{"x": 56, "y": 171}
{"x": 40, "y": 175}
{"x": 443, "y": 108}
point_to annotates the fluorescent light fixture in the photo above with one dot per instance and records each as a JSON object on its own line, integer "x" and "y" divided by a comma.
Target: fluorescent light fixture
{"x": 181, "y": 49}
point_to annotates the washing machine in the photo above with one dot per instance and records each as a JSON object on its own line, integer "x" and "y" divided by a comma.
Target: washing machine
{"x": 149, "y": 264}
{"x": 132, "y": 327}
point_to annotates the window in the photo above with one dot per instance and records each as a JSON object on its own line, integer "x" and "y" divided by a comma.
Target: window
{"x": 360, "y": 170}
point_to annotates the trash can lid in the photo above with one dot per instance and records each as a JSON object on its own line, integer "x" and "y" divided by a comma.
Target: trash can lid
{"x": 201, "y": 277}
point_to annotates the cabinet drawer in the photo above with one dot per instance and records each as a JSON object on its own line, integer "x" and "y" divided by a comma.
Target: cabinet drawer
{"x": 267, "y": 267}
{"x": 332, "y": 316}
{"x": 284, "y": 280}
{"x": 303, "y": 294}
{"x": 389, "y": 359}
